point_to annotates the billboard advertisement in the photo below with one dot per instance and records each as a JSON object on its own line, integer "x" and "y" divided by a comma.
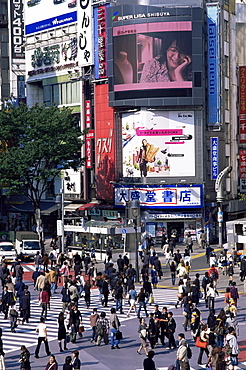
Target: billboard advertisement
{"x": 158, "y": 144}
{"x": 153, "y": 56}
{"x": 242, "y": 105}
{"x": 51, "y": 59}
{"x": 213, "y": 64}
{"x": 17, "y": 29}
{"x": 104, "y": 144}
{"x": 41, "y": 15}
{"x": 161, "y": 197}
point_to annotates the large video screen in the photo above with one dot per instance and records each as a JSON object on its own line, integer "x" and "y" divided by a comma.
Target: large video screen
{"x": 152, "y": 56}
{"x": 158, "y": 144}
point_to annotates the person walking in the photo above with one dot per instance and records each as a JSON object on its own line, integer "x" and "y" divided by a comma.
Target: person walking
{"x": 87, "y": 291}
{"x": 42, "y": 337}
{"x": 182, "y": 353}
{"x": 7, "y": 301}
{"x": 93, "y": 322}
{"x": 173, "y": 272}
{"x": 102, "y": 329}
{"x": 114, "y": 327}
{"x": 75, "y": 321}
{"x": 76, "y": 363}
{"x": 171, "y": 327}
{"x": 66, "y": 297}
{"x": 211, "y": 294}
{"x": 154, "y": 278}
{"x": 52, "y": 364}
{"x": 143, "y": 331}
{"x": 204, "y": 338}
{"x": 132, "y": 299}
{"x": 152, "y": 331}
{"x": 45, "y": 300}
{"x": 25, "y": 305}
{"x": 61, "y": 332}
{"x": 231, "y": 341}
{"x": 142, "y": 302}
{"x": 64, "y": 271}
{"x": 105, "y": 292}
{"x": 24, "y": 359}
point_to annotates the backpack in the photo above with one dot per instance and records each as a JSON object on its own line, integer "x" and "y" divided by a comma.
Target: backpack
{"x": 228, "y": 349}
{"x": 51, "y": 255}
{"x": 189, "y": 352}
{"x": 100, "y": 329}
{"x": 213, "y": 275}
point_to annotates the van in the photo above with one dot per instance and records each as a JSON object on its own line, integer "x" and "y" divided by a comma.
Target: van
{"x": 7, "y": 250}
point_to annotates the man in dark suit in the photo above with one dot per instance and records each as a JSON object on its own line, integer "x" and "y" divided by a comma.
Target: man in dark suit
{"x": 149, "y": 363}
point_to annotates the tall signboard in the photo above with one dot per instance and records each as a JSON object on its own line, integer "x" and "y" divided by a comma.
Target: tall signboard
{"x": 100, "y": 42}
{"x": 242, "y": 105}
{"x": 104, "y": 144}
{"x": 17, "y": 29}
{"x": 85, "y": 35}
{"x": 214, "y": 147}
{"x": 213, "y": 60}
{"x": 40, "y": 16}
{"x": 158, "y": 144}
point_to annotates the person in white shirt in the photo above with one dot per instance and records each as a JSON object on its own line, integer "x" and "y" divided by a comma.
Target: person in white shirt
{"x": 42, "y": 337}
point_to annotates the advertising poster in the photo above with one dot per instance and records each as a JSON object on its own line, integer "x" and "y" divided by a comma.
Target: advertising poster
{"x": 214, "y": 150}
{"x": 152, "y": 56}
{"x": 104, "y": 144}
{"x": 158, "y": 144}
{"x": 42, "y": 15}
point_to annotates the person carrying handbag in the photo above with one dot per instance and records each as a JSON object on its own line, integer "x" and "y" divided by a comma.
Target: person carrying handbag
{"x": 203, "y": 338}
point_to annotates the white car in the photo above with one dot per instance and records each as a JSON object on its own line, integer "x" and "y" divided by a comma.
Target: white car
{"x": 7, "y": 250}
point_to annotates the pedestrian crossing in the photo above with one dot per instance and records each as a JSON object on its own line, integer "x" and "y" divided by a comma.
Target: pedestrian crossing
{"x": 26, "y": 335}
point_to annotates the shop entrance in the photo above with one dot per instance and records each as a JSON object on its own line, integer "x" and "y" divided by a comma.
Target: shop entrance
{"x": 179, "y": 227}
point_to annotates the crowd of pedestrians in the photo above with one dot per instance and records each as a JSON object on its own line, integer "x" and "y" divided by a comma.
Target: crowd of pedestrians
{"x": 73, "y": 275}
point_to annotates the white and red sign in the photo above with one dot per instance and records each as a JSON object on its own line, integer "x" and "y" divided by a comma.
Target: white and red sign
{"x": 242, "y": 105}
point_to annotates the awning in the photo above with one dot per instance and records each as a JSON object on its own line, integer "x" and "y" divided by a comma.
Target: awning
{"x": 86, "y": 206}
{"x": 46, "y": 208}
{"x": 72, "y": 207}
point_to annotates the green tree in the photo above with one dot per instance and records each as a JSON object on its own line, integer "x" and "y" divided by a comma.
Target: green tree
{"x": 35, "y": 144}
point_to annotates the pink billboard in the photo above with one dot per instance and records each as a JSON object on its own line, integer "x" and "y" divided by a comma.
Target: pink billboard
{"x": 158, "y": 144}
{"x": 153, "y": 56}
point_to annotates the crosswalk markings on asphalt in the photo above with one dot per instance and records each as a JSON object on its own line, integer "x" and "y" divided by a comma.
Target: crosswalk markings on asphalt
{"x": 26, "y": 335}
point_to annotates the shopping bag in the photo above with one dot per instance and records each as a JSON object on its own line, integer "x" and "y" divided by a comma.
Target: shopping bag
{"x": 151, "y": 299}
{"x": 81, "y": 329}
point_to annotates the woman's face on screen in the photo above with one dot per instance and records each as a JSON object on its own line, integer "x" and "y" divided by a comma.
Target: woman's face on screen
{"x": 174, "y": 56}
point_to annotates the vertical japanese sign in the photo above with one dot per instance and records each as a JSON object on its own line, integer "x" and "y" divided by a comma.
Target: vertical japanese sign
{"x": 242, "y": 105}
{"x": 17, "y": 29}
{"x": 88, "y": 146}
{"x": 213, "y": 64}
{"x": 21, "y": 95}
{"x": 242, "y": 167}
{"x": 85, "y": 47}
{"x": 214, "y": 144}
{"x": 100, "y": 41}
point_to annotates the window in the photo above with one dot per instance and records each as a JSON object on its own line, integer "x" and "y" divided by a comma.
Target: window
{"x": 56, "y": 94}
{"x": 65, "y": 93}
{"x": 226, "y": 100}
{"x": 47, "y": 95}
{"x": 226, "y": 30}
{"x": 227, "y": 66}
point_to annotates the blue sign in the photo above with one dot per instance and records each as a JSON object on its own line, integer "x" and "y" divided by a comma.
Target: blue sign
{"x": 214, "y": 144}
{"x": 213, "y": 64}
{"x": 123, "y": 231}
{"x": 53, "y": 22}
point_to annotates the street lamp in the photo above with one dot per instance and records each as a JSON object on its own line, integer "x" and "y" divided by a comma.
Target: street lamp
{"x": 135, "y": 208}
